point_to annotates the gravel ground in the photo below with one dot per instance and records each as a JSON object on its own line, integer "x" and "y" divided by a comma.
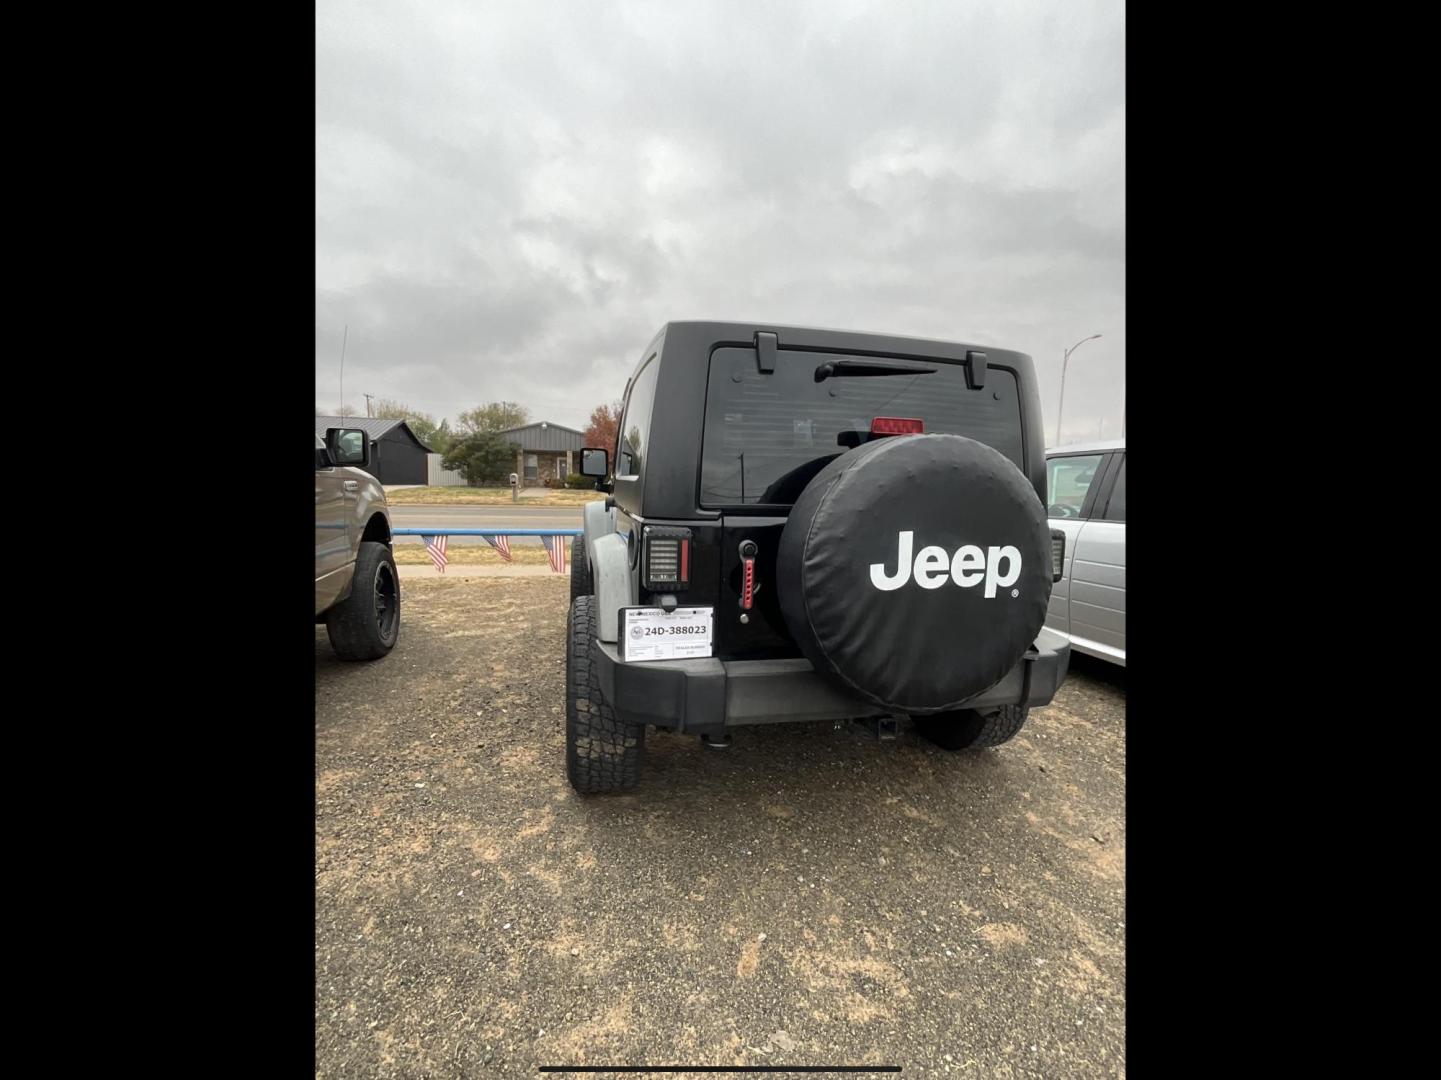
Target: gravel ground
{"x": 809, "y": 896}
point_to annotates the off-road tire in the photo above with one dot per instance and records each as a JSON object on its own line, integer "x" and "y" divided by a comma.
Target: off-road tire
{"x": 972, "y": 729}
{"x": 580, "y": 583}
{"x": 360, "y": 626}
{"x": 603, "y": 753}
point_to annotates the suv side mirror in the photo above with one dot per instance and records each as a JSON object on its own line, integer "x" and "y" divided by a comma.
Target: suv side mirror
{"x": 594, "y": 462}
{"x": 347, "y": 446}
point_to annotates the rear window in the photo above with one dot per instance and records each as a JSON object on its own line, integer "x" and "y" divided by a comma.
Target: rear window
{"x": 634, "y": 433}
{"x": 767, "y": 435}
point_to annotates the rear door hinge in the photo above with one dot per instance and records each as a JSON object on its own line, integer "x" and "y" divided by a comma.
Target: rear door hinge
{"x": 766, "y": 345}
{"x": 976, "y": 369}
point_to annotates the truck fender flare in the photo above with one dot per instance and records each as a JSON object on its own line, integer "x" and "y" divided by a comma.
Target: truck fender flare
{"x": 610, "y": 566}
{"x": 596, "y": 521}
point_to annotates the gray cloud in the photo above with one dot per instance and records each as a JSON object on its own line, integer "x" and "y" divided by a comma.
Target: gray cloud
{"x": 511, "y": 198}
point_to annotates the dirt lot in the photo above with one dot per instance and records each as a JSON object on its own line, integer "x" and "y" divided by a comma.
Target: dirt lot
{"x": 808, "y": 896}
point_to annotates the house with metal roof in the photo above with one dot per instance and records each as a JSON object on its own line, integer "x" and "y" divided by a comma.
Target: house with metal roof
{"x": 545, "y": 453}
{"x": 396, "y": 455}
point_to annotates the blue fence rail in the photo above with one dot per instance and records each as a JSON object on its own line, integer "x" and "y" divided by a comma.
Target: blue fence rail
{"x": 485, "y": 532}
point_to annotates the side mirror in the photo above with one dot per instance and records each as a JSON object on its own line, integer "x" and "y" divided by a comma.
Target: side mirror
{"x": 348, "y": 446}
{"x": 594, "y": 463}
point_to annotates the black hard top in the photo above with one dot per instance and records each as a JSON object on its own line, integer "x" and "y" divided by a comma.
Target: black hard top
{"x": 672, "y": 465}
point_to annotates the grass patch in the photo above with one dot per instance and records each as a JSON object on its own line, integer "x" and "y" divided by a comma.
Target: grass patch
{"x": 469, "y": 496}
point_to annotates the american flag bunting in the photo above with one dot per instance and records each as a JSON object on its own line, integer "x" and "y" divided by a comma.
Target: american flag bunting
{"x": 435, "y": 548}
{"x": 501, "y": 545}
{"x": 555, "y": 551}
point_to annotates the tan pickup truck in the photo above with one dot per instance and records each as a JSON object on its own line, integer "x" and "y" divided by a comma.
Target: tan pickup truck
{"x": 357, "y": 589}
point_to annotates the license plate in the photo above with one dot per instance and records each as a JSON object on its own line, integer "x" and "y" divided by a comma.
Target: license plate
{"x": 648, "y": 633}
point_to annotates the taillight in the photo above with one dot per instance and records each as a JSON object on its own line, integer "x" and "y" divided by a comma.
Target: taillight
{"x": 666, "y": 558}
{"x": 748, "y": 551}
{"x": 1058, "y": 554}
{"x": 897, "y": 425}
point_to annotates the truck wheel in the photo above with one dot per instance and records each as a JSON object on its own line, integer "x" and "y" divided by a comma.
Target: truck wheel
{"x": 580, "y": 584}
{"x": 366, "y": 624}
{"x": 972, "y": 729}
{"x": 602, "y": 752}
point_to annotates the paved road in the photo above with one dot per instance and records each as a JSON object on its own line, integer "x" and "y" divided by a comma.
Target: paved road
{"x": 806, "y": 897}
{"x": 481, "y": 517}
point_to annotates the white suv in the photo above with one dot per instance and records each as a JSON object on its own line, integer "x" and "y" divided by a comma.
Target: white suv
{"x": 1086, "y": 499}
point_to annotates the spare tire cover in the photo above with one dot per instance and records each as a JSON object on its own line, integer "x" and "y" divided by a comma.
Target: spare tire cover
{"x": 916, "y": 570}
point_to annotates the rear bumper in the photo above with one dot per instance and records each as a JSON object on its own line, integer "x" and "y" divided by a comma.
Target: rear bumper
{"x": 700, "y": 695}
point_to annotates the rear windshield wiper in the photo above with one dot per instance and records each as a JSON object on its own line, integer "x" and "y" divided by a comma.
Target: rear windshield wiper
{"x": 836, "y": 368}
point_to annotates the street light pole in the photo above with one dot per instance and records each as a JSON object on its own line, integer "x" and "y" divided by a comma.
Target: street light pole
{"x": 1064, "y": 361}
{"x": 343, "y": 340}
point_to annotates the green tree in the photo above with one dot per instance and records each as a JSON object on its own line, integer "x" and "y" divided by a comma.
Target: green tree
{"x": 440, "y": 439}
{"x": 436, "y": 436}
{"x": 482, "y": 457}
{"x": 492, "y": 416}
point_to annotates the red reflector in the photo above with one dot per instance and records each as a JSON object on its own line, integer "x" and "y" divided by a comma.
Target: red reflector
{"x": 897, "y": 425}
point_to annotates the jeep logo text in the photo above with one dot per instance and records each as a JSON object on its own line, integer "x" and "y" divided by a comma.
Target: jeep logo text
{"x": 932, "y": 565}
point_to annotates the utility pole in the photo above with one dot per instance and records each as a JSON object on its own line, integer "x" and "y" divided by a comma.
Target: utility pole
{"x": 367, "y": 404}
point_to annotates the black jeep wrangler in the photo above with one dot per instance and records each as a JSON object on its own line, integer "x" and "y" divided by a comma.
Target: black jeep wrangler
{"x": 812, "y": 525}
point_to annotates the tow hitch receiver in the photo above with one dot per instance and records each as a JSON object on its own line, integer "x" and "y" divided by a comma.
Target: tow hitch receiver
{"x": 884, "y": 728}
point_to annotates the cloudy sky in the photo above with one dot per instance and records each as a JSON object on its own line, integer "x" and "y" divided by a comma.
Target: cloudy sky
{"x": 511, "y": 198}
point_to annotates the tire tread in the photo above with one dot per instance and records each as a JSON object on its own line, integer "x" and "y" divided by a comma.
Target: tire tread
{"x": 351, "y": 625}
{"x": 970, "y": 729}
{"x": 580, "y": 581}
{"x": 603, "y": 753}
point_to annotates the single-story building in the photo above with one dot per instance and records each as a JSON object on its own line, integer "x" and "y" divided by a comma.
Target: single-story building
{"x": 396, "y": 455}
{"x": 545, "y": 453}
